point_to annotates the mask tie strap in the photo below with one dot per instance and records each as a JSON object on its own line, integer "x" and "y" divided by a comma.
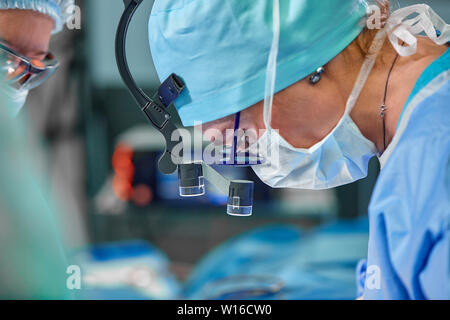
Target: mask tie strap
{"x": 405, "y": 30}
{"x": 272, "y": 67}
{"x": 366, "y": 69}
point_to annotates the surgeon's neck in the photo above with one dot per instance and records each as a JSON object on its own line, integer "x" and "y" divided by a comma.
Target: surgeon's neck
{"x": 406, "y": 71}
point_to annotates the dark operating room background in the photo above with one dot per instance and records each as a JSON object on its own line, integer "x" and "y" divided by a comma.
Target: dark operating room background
{"x": 101, "y": 154}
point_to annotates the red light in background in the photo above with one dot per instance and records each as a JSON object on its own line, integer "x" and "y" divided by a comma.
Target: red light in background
{"x": 122, "y": 162}
{"x": 142, "y": 195}
{"x": 122, "y": 188}
{"x": 122, "y": 158}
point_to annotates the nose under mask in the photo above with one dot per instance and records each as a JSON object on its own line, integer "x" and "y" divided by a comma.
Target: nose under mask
{"x": 339, "y": 159}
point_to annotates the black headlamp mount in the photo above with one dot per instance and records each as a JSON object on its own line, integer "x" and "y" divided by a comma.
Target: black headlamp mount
{"x": 154, "y": 108}
{"x": 191, "y": 175}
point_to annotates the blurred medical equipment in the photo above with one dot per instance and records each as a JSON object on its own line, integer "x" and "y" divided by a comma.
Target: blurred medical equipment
{"x": 192, "y": 175}
{"x": 273, "y": 262}
{"x": 283, "y": 262}
{"x": 126, "y": 270}
{"x": 242, "y": 287}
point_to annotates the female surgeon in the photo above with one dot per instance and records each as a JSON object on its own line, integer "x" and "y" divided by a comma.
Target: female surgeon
{"x": 346, "y": 80}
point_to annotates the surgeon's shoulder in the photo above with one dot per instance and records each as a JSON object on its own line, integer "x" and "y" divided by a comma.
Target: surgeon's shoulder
{"x": 415, "y": 178}
{"x": 423, "y": 149}
{"x": 431, "y": 116}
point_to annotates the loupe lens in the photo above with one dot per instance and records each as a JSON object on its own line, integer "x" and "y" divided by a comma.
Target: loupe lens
{"x": 240, "y": 198}
{"x": 194, "y": 191}
{"x": 239, "y": 211}
{"x": 192, "y": 182}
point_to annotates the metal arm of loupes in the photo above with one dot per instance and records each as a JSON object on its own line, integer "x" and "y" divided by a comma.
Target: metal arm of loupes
{"x": 191, "y": 175}
{"x": 221, "y": 183}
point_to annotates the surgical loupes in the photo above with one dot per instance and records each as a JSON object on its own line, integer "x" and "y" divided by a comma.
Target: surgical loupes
{"x": 191, "y": 175}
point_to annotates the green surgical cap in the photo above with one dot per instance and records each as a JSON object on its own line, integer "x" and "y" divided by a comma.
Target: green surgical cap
{"x": 221, "y": 47}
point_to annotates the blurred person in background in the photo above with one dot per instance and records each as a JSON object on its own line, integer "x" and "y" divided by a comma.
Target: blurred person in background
{"x": 52, "y": 113}
{"x": 32, "y": 259}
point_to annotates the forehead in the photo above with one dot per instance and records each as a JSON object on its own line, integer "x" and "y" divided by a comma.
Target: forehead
{"x": 25, "y": 31}
{"x": 26, "y": 51}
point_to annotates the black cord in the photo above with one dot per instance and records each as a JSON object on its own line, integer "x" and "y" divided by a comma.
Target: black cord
{"x": 383, "y": 106}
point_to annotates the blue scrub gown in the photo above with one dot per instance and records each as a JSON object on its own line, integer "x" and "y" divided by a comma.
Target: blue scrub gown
{"x": 409, "y": 213}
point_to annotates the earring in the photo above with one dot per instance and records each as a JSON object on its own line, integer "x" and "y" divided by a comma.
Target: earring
{"x": 316, "y": 76}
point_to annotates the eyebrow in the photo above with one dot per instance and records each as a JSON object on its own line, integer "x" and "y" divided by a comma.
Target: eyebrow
{"x": 38, "y": 53}
{"x": 30, "y": 53}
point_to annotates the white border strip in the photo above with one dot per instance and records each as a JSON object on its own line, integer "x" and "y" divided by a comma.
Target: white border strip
{"x": 428, "y": 91}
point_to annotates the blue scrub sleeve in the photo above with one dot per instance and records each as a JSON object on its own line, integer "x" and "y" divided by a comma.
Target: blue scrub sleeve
{"x": 361, "y": 269}
{"x": 437, "y": 267}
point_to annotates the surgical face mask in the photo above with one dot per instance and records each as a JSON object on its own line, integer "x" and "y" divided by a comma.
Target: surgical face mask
{"x": 340, "y": 158}
{"x": 403, "y": 29}
{"x": 13, "y": 99}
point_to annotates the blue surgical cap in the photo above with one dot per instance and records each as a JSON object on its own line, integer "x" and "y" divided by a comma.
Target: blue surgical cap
{"x": 59, "y": 10}
{"x": 221, "y": 47}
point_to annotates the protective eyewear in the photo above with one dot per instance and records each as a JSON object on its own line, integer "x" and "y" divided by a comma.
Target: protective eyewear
{"x": 21, "y": 72}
